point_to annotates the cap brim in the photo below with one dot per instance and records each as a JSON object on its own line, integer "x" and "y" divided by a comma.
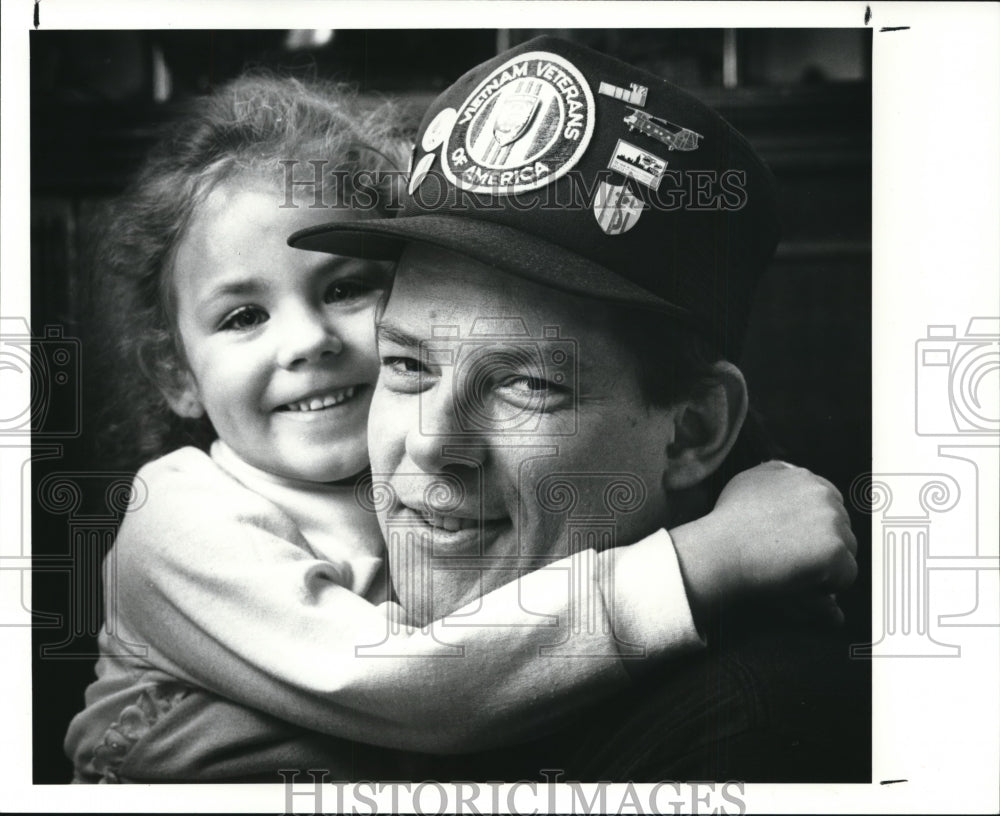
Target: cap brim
{"x": 496, "y": 245}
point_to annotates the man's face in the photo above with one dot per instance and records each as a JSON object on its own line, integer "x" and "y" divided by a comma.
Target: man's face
{"x": 509, "y": 423}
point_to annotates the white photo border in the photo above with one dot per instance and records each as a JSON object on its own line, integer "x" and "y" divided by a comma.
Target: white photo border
{"x": 936, "y": 256}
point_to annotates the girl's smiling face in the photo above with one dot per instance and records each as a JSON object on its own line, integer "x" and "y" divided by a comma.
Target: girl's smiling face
{"x": 279, "y": 342}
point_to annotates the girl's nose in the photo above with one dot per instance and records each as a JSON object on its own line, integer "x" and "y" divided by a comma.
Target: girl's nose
{"x": 307, "y": 338}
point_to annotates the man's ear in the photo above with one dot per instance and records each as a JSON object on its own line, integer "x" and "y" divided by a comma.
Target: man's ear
{"x": 184, "y": 398}
{"x": 705, "y": 427}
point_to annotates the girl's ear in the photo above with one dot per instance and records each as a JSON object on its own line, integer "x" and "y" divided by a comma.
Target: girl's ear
{"x": 705, "y": 427}
{"x": 183, "y": 397}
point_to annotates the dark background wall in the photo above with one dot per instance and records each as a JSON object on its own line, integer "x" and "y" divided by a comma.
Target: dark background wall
{"x": 802, "y": 97}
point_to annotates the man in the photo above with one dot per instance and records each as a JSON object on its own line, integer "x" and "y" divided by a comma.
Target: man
{"x": 574, "y": 269}
{"x": 577, "y": 249}
{"x": 553, "y": 383}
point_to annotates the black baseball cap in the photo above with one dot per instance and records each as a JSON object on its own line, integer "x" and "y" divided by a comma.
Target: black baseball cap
{"x": 559, "y": 164}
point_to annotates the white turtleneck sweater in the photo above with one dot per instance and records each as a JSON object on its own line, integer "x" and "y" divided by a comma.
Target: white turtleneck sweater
{"x": 273, "y": 595}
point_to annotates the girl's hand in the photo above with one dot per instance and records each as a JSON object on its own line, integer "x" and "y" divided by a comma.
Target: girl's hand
{"x": 775, "y": 529}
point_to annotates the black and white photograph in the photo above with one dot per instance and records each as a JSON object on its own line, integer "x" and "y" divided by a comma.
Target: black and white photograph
{"x": 435, "y": 408}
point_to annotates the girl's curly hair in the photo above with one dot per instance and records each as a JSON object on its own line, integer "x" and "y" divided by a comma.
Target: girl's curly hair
{"x": 256, "y": 124}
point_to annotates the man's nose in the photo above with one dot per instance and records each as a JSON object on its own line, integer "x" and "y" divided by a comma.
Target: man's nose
{"x": 438, "y": 438}
{"x": 306, "y": 336}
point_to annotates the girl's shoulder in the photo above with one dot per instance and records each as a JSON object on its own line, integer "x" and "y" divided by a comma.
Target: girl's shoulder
{"x": 184, "y": 475}
{"x": 188, "y": 459}
{"x": 188, "y": 470}
{"x": 187, "y": 488}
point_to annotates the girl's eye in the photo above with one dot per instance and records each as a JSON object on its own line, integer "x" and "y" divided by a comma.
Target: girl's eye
{"x": 340, "y": 291}
{"x": 245, "y": 317}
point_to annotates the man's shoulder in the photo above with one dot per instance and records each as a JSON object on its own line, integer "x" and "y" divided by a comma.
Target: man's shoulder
{"x": 778, "y": 703}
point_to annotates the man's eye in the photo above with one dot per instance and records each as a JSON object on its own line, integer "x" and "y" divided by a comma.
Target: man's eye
{"x": 245, "y": 317}
{"x": 404, "y": 375}
{"x": 405, "y": 366}
{"x": 536, "y": 393}
{"x": 340, "y": 291}
{"x": 525, "y": 384}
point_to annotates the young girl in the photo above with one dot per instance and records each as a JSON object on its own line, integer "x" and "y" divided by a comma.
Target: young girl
{"x": 247, "y": 587}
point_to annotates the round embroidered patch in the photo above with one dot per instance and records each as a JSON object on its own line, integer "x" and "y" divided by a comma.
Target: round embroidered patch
{"x": 525, "y": 125}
